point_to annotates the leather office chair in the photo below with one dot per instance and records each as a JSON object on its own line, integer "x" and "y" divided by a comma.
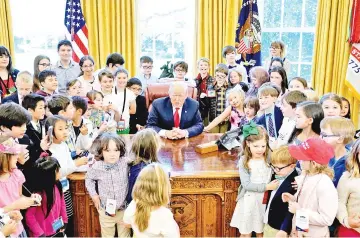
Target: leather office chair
{"x": 158, "y": 90}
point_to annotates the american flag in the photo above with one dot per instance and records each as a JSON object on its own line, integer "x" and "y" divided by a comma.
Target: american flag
{"x": 242, "y": 47}
{"x": 76, "y": 30}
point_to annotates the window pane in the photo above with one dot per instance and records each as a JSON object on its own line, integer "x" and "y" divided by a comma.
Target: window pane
{"x": 266, "y": 39}
{"x": 293, "y": 71}
{"x": 292, "y": 13}
{"x": 306, "y": 72}
{"x": 310, "y": 12}
{"x": 292, "y": 42}
{"x": 272, "y": 13}
{"x": 307, "y": 47}
{"x": 34, "y": 33}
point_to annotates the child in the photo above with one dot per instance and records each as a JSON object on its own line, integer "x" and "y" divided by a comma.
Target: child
{"x": 146, "y": 76}
{"x": 229, "y": 54}
{"x": 146, "y": 144}
{"x": 255, "y": 174}
{"x": 48, "y": 83}
{"x": 180, "y": 69}
{"x": 217, "y": 109}
{"x": 41, "y": 62}
{"x": 349, "y": 196}
{"x": 273, "y": 117}
{"x": 8, "y": 73}
{"x": 13, "y": 120}
{"x": 235, "y": 77}
{"x": 205, "y": 90}
{"x": 111, "y": 169}
{"x": 41, "y": 220}
{"x": 308, "y": 118}
{"x": 258, "y": 76}
{"x": 235, "y": 111}
{"x": 139, "y": 119}
{"x": 316, "y": 197}
{"x": 148, "y": 214}
{"x": 297, "y": 83}
{"x": 251, "y": 108}
{"x": 11, "y": 179}
{"x": 24, "y": 84}
{"x": 278, "y": 76}
{"x": 34, "y": 135}
{"x": 337, "y": 132}
{"x": 276, "y": 62}
{"x": 87, "y": 79}
{"x": 345, "y": 108}
{"x": 124, "y": 101}
{"x": 277, "y": 218}
{"x": 74, "y": 88}
{"x": 331, "y": 104}
{"x": 311, "y": 95}
{"x": 288, "y": 107}
{"x": 60, "y": 150}
{"x": 98, "y": 117}
{"x": 81, "y": 125}
{"x": 106, "y": 80}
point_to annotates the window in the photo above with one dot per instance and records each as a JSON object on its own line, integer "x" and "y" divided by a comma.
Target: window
{"x": 166, "y": 31}
{"x": 293, "y": 22}
{"x": 38, "y": 26}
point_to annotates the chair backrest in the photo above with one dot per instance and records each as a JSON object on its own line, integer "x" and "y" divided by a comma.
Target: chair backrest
{"x": 159, "y": 90}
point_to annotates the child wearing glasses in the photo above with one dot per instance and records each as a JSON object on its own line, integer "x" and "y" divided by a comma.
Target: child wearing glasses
{"x": 146, "y": 76}
{"x": 337, "y": 132}
{"x": 277, "y": 218}
{"x": 180, "y": 70}
{"x": 139, "y": 119}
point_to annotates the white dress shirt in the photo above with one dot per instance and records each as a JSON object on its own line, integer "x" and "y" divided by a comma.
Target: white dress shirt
{"x": 162, "y": 132}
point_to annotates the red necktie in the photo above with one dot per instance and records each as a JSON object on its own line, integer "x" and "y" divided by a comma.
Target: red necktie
{"x": 176, "y": 118}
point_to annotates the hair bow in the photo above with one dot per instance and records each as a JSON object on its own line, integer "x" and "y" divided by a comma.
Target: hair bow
{"x": 10, "y": 146}
{"x": 250, "y": 129}
{"x": 44, "y": 155}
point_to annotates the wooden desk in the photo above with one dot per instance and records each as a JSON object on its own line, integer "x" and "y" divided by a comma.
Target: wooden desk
{"x": 204, "y": 190}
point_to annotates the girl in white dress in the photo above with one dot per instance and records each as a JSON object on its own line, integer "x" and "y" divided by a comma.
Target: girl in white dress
{"x": 255, "y": 175}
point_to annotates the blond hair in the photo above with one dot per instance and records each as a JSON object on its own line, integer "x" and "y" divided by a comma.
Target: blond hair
{"x": 340, "y": 126}
{"x": 145, "y": 146}
{"x": 353, "y": 162}
{"x": 5, "y": 166}
{"x": 222, "y": 68}
{"x": 238, "y": 71}
{"x": 280, "y": 45}
{"x": 268, "y": 90}
{"x": 152, "y": 189}
{"x": 262, "y": 135}
{"x": 316, "y": 168}
{"x": 311, "y": 95}
{"x": 237, "y": 91}
{"x": 282, "y": 156}
{"x": 203, "y": 59}
{"x": 25, "y": 76}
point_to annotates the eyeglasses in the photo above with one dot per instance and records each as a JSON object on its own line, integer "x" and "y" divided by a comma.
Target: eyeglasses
{"x": 274, "y": 48}
{"x": 179, "y": 70}
{"x": 136, "y": 89}
{"x": 88, "y": 66}
{"x": 277, "y": 169}
{"x": 45, "y": 65}
{"x": 147, "y": 67}
{"x": 220, "y": 76}
{"x": 323, "y": 135}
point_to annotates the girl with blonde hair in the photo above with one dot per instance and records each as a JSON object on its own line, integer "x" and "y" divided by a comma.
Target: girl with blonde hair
{"x": 148, "y": 214}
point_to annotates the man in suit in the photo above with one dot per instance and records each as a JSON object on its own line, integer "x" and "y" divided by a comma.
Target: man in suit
{"x": 176, "y": 116}
{"x": 24, "y": 84}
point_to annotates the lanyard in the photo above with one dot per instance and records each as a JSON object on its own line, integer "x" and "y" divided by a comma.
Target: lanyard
{"x": 123, "y": 108}
{"x": 6, "y": 86}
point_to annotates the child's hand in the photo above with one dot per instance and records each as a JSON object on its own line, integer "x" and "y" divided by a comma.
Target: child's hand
{"x": 293, "y": 206}
{"x": 96, "y": 201}
{"x": 23, "y": 157}
{"x": 15, "y": 215}
{"x": 281, "y": 234}
{"x": 287, "y": 197}
{"x": 81, "y": 161}
{"x": 354, "y": 221}
{"x": 23, "y": 203}
{"x": 9, "y": 228}
{"x": 103, "y": 127}
{"x": 84, "y": 130}
{"x": 44, "y": 143}
{"x": 272, "y": 185}
{"x": 206, "y": 129}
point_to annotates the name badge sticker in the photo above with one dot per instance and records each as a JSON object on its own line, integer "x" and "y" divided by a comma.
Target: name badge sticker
{"x": 302, "y": 220}
{"x": 57, "y": 224}
{"x": 110, "y": 206}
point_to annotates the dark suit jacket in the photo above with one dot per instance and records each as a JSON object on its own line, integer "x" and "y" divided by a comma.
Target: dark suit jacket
{"x": 279, "y": 216}
{"x": 12, "y": 98}
{"x": 161, "y": 116}
{"x": 278, "y": 116}
{"x": 140, "y": 115}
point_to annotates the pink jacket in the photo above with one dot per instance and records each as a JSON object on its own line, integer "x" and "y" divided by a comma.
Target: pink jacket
{"x": 318, "y": 196}
{"x": 35, "y": 216}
